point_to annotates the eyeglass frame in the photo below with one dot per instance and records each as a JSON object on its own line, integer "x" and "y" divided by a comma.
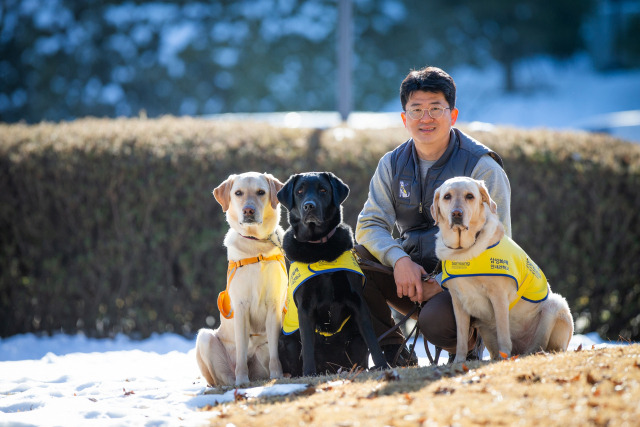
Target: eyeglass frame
{"x": 426, "y": 109}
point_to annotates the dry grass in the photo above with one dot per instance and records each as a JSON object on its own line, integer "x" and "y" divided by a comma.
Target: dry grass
{"x": 583, "y": 387}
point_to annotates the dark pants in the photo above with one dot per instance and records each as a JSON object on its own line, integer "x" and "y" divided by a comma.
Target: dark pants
{"x": 437, "y": 322}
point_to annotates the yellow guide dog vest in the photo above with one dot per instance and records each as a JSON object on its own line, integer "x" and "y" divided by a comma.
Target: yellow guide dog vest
{"x": 299, "y": 273}
{"x": 505, "y": 258}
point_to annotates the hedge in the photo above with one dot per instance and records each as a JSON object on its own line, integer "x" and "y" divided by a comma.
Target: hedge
{"x": 109, "y": 226}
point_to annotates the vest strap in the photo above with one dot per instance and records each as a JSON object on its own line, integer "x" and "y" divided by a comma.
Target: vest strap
{"x": 224, "y": 301}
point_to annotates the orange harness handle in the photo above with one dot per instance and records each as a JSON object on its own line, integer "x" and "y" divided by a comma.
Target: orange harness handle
{"x": 224, "y": 301}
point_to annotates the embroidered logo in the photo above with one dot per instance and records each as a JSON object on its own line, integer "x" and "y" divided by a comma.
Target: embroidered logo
{"x": 405, "y": 191}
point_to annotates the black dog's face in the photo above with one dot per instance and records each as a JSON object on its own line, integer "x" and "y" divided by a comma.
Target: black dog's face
{"x": 314, "y": 203}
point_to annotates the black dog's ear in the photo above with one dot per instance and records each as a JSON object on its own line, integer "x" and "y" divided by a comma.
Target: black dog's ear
{"x": 340, "y": 189}
{"x": 285, "y": 194}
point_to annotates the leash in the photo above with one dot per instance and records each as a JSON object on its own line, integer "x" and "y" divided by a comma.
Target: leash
{"x": 367, "y": 264}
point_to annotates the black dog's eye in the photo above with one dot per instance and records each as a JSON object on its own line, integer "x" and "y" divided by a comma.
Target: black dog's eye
{"x": 323, "y": 190}
{"x": 299, "y": 191}
{"x": 261, "y": 193}
{"x": 469, "y": 196}
{"x": 239, "y": 193}
{"x": 447, "y": 196}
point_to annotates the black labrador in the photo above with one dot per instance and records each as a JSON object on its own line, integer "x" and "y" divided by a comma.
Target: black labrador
{"x": 332, "y": 329}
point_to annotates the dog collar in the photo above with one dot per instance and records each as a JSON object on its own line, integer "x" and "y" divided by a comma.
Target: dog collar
{"x": 325, "y": 238}
{"x": 277, "y": 244}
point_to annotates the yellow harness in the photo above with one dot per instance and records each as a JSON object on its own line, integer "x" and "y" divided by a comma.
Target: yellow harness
{"x": 299, "y": 273}
{"x": 505, "y": 258}
{"x": 224, "y": 300}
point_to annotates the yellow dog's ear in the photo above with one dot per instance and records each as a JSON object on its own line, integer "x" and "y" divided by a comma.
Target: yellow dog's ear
{"x": 222, "y": 192}
{"x": 486, "y": 198}
{"x": 274, "y": 186}
{"x": 435, "y": 208}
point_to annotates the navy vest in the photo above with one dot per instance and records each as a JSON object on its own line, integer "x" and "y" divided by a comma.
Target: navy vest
{"x": 412, "y": 198}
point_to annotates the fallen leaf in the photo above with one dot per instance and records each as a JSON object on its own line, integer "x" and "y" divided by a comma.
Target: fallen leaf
{"x": 465, "y": 368}
{"x": 591, "y": 379}
{"x": 579, "y": 348}
{"x": 389, "y": 376}
{"x": 309, "y": 391}
{"x": 238, "y": 396}
{"x": 444, "y": 390}
{"x": 408, "y": 398}
{"x": 504, "y": 355}
{"x": 532, "y": 377}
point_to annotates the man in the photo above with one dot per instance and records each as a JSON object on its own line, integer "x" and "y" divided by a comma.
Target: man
{"x": 401, "y": 194}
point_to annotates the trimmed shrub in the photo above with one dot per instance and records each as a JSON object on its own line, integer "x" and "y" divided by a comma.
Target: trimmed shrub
{"x": 109, "y": 226}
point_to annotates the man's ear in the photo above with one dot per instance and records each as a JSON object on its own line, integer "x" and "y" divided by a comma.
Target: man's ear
{"x": 274, "y": 186}
{"x": 454, "y": 116}
{"x": 486, "y": 198}
{"x": 340, "y": 189}
{"x": 222, "y": 192}
{"x": 435, "y": 207}
{"x": 285, "y": 194}
{"x": 404, "y": 118}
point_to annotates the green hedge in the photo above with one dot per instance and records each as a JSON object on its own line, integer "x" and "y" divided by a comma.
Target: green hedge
{"x": 109, "y": 226}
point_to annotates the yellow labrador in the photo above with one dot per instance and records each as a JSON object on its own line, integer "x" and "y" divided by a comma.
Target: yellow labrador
{"x": 245, "y": 346}
{"x": 492, "y": 279}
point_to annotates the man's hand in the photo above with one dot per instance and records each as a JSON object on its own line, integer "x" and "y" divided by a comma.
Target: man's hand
{"x": 408, "y": 277}
{"x": 430, "y": 288}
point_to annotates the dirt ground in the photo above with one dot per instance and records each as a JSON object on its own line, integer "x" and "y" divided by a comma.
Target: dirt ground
{"x": 595, "y": 386}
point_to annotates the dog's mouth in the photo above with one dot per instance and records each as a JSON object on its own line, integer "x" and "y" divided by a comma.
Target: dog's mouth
{"x": 312, "y": 219}
{"x": 250, "y": 220}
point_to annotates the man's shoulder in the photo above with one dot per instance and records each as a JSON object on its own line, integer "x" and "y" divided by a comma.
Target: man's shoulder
{"x": 488, "y": 162}
{"x": 389, "y": 157}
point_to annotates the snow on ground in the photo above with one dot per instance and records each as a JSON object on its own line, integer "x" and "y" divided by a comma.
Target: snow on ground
{"x": 78, "y": 381}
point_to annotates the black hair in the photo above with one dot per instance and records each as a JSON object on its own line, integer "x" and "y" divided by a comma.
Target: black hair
{"x": 428, "y": 79}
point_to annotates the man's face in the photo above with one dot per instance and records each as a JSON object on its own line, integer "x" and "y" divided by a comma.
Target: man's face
{"x": 427, "y": 131}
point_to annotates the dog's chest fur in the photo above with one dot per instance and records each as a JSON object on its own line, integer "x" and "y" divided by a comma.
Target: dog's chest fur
{"x": 473, "y": 294}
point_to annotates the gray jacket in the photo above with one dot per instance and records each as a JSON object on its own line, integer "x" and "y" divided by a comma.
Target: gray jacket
{"x": 397, "y": 197}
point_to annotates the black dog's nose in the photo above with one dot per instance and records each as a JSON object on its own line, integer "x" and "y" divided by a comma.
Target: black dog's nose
{"x": 308, "y": 205}
{"x": 248, "y": 211}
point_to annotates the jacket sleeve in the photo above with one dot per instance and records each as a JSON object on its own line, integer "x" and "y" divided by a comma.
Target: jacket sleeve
{"x": 499, "y": 188}
{"x": 377, "y": 218}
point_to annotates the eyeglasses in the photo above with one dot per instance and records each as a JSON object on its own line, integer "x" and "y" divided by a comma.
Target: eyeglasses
{"x": 434, "y": 112}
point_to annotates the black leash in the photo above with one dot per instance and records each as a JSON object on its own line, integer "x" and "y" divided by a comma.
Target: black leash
{"x": 368, "y": 264}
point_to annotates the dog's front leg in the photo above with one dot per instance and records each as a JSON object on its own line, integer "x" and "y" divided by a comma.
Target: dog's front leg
{"x": 363, "y": 318}
{"x": 273, "y": 326}
{"x": 307, "y": 324}
{"x": 462, "y": 328}
{"x": 500, "y": 305}
{"x": 241, "y": 327}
